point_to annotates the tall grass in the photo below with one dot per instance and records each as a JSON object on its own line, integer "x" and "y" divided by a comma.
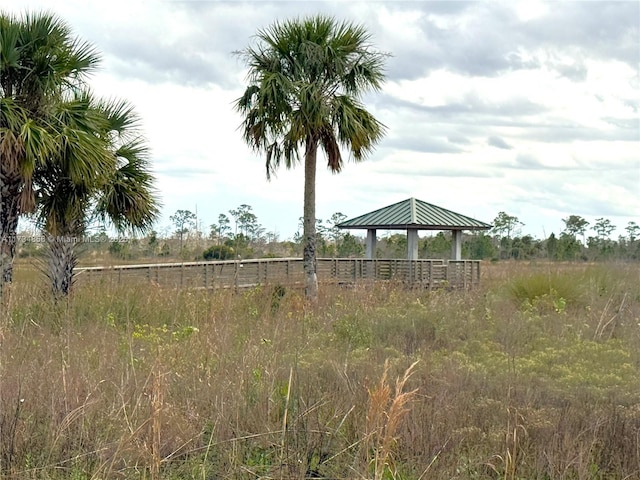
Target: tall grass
{"x": 535, "y": 375}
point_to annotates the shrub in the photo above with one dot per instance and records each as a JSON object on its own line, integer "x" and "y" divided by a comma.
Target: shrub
{"x": 564, "y": 288}
{"x": 218, "y": 252}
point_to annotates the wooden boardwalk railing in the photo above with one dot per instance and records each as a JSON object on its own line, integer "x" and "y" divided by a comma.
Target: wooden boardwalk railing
{"x": 288, "y": 271}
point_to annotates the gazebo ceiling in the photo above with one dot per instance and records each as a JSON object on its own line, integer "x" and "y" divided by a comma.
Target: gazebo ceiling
{"x": 414, "y": 214}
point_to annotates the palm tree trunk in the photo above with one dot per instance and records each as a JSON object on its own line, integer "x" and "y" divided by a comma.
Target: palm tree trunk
{"x": 9, "y": 214}
{"x": 309, "y": 223}
{"x": 62, "y": 260}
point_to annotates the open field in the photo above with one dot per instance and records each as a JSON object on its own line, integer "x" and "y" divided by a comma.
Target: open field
{"x": 533, "y": 375}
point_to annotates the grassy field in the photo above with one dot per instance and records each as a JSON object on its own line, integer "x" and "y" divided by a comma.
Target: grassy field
{"x": 535, "y": 375}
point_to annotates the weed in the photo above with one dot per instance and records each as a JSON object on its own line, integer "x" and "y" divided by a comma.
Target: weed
{"x": 555, "y": 289}
{"x": 533, "y": 375}
{"x": 387, "y": 408}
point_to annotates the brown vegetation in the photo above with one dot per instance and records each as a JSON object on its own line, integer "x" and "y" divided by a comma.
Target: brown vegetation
{"x": 534, "y": 375}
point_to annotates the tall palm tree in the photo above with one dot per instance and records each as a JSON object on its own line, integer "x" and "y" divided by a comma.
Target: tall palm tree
{"x": 40, "y": 61}
{"x": 75, "y": 187}
{"x": 306, "y": 80}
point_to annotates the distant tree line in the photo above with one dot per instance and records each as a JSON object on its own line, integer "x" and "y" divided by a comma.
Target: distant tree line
{"x": 239, "y": 234}
{"x": 578, "y": 241}
{"x": 235, "y": 234}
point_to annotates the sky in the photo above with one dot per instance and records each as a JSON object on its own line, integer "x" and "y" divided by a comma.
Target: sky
{"x": 528, "y": 107}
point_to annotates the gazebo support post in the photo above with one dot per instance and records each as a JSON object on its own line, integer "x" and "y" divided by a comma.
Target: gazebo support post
{"x": 371, "y": 244}
{"x": 412, "y": 244}
{"x": 456, "y": 244}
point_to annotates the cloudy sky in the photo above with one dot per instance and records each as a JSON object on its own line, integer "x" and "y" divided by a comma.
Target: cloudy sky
{"x": 526, "y": 107}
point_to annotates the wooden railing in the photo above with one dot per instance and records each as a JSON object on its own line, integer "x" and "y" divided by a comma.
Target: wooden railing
{"x": 288, "y": 271}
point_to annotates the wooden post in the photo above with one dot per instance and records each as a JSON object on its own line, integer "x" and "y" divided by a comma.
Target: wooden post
{"x": 464, "y": 274}
{"x": 287, "y": 272}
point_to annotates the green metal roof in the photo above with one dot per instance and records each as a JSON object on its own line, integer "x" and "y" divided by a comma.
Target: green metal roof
{"x": 414, "y": 213}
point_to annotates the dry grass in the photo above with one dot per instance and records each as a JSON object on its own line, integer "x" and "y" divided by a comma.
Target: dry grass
{"x": 387, "y": 408}
{"x": 148, "y": 383}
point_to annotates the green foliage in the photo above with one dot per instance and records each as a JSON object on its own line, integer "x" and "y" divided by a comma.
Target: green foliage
{"x": 120, "y": 250}
{"x": 153, "y": 239}
{"x": 568, "y": 247}
{"x": 306, "y": 80}
{"x": 558, "y": 288}
{"x": 438, "y": 246}
{"x": 479, "y": 247}
{"x": 603, "y": 228}
{"x": 277, "y": 295}
{"x": 350, "y": 246}
{"x": 575, "y": 225}
{"x": 505, "y": 226}
{"x": 69, "y": 156}
{"x": 321, "y": 67}
{"x": 240, "y": 245}
{"x": 393, "y": 246}
{"x": 218, "y": 252}
{"x": 165, "y": 250}
{"x": 184, "y": 221}
{"x": 353, "y": 330}
{"x": 633, "y": 231}
{"x": 162, "y": 335}
{"x": 221, "y": 229}
{"x": 598, "y": 369}
{"x": 246, "y": 222}
{"x": 42, "y": 66}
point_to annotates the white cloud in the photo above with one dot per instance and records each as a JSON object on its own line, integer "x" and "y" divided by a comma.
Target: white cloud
{"x": 529, "y": 78}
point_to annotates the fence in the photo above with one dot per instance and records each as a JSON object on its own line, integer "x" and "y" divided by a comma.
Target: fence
{"x": 288, "y": 271}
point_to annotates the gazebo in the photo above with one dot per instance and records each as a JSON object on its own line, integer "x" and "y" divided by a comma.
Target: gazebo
{"x": 413, "y": 215}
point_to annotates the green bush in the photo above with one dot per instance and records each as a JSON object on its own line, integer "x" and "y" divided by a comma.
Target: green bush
{"x": 557, "y": 288}
{"x": 218, "y": 252}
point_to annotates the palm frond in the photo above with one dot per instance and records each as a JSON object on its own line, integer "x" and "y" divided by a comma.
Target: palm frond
{"x": 121, "y": 116}
{"x": 357, "y": 129}
{"x": 55, "y": 145}
{"x": 99, "y": 169}
{"x": 82, "y": 140}
{"x": 129, "y": 200}
{"x": 37, "y": 143}
{"x": 306, "y": 76}
{"x": 58, "y": 57}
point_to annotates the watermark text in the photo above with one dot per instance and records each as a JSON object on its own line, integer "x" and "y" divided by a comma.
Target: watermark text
{"x": 19, "y": 239}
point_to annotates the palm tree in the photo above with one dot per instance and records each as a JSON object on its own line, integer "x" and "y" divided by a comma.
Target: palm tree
{"x": 73, "y": 187}
{"x": 306, "y": 80}
{"x": 39, "y": 62}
